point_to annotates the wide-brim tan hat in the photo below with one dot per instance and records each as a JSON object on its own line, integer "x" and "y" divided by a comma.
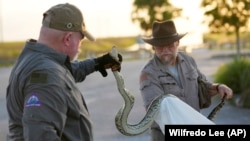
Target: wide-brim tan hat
{"x": 66, "y": 17}
{"x": 163, "y": 33}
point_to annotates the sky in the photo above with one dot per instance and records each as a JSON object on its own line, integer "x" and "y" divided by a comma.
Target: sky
{"x": 21, "y": 19}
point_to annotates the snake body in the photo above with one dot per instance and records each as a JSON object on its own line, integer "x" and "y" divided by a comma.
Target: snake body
{"x": 152, "y": 111}
{"x": 217, "y": 108}
{"x": 122, "y": 115}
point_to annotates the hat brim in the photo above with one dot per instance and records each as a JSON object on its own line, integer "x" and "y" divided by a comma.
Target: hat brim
{"x": 163, "y": 41}
{"x": 88, "y": 35}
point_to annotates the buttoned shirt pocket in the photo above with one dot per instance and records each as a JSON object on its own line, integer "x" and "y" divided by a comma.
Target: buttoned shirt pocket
{"x": 75, "y": 99}
{"x": 192, "y": 77}
{"x": 148, "y": 92}
{"x": 170, "y": 85}
{"x": 78, "y": 120}
{"x": 191, "y": 81}
{"x": 144, "y": 84}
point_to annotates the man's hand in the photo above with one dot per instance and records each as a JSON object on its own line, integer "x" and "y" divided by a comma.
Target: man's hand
{"x": 223, "y": 89}
{"x": 107, "y": 61}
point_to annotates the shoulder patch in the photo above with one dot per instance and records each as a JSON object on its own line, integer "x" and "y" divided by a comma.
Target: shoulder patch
{"x": 33, "y": 101}
{"x": 37, "y": 77}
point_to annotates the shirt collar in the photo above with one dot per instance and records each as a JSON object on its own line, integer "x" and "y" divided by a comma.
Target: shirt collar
{"x": 48, "y": 51}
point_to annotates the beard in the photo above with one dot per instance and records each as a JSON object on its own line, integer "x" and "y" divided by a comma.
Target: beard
{"x": 167, "y": 58}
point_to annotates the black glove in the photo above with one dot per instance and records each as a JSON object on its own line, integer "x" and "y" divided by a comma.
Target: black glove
{"x": 107, "y": 61}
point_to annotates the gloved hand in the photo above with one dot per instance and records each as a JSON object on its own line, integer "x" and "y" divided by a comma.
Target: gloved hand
{"x": 107, "y": 61}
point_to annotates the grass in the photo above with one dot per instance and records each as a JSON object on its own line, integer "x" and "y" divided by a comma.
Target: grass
{"x": 9, "y": 51}
{"x": 106, "y": 43}
{"x": 235, "y": 74}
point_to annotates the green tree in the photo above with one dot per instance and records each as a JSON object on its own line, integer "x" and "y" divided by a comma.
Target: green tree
{"x": 230, "y": 16}
{"x": 145, "y": 12}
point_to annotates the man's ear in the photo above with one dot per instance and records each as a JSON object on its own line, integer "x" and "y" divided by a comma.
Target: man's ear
{"x": 67, "y": 38}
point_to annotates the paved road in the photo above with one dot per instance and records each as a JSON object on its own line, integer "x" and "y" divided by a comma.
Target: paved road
{"x": 104, "y": 100}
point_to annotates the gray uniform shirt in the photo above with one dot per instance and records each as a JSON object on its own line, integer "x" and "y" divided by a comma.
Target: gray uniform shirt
{"x": 43, "y": 101}
{"x": 160, "y": 81}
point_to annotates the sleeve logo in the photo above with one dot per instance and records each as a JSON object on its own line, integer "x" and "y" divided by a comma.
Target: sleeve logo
{"x": 33, "y": 101}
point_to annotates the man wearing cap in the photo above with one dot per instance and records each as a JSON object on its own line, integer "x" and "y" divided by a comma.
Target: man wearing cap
{"x": 43, "y": 101}
{"x": 172, "y": 72}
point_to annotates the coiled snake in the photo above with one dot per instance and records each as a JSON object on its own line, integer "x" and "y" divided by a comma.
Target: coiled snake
{"x": 122, "y": 115}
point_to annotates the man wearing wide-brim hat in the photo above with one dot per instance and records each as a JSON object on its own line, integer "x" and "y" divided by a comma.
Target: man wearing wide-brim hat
{"x": 163, "y": 33}
{"x": 172, "y": 72}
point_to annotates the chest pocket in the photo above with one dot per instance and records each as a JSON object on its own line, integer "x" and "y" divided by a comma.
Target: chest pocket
{"x": 170, "y": 85}
{"x": 76, "y": 103}
{"x": 192, "y": 76}
{"x": 191, "y": 82}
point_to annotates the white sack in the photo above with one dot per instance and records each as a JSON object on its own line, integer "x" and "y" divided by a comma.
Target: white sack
{"x": 175, "y": 111}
